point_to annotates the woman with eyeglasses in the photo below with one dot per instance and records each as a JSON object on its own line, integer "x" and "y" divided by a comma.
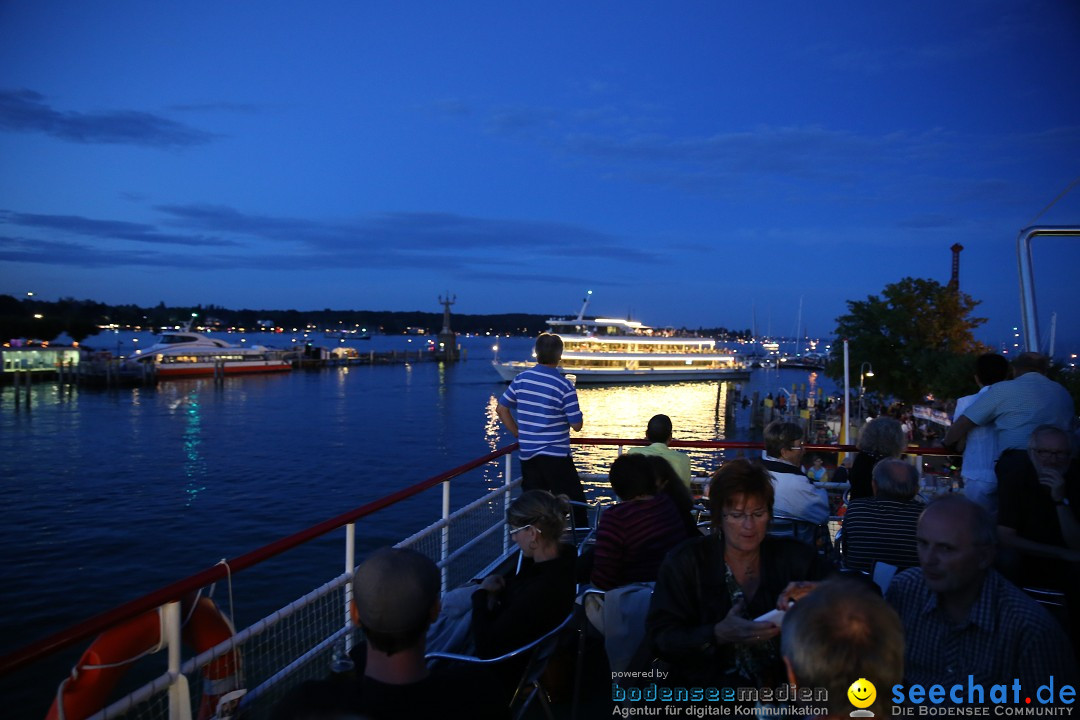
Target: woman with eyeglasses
{"x": 511, "y": 610}
{"x": 710, "y": 590}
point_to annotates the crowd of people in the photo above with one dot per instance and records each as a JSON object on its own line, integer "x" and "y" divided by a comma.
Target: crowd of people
{"x": 733, "y": 604}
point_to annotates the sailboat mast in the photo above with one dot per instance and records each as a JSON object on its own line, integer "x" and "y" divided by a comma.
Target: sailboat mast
{"x": 584, "y": 304}
{"x": 798, "y": 327}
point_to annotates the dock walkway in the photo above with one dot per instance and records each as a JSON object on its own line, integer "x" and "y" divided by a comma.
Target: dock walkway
{"x": 117, "y": 372}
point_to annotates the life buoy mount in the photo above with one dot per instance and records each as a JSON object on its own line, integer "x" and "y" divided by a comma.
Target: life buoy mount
{"x": 101, "y": 666}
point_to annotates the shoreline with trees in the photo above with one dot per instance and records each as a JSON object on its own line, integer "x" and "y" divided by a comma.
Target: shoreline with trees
{"x": 80, "y": 319}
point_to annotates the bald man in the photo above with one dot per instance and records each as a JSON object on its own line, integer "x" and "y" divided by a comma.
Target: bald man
{"x": 961, "y": 618}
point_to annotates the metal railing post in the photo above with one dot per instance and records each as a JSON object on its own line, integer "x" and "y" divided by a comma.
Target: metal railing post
{"x": 508, "y": 478}
{"x": 444, "y": 545}
{"x": 179, "y": 695}
{"x": 350, "y": 565}
{"x": 1028, "y": 312}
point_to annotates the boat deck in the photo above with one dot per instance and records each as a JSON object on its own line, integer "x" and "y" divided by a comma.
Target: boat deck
{"x": 301, "y": 640}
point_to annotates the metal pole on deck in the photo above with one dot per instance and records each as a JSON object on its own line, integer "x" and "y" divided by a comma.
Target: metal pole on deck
{"x": 179, "y": 696}
{"x": 845, "y": 429}
{"x": 444, "y": 549}
{"x": 507, "y": 479}
{"x": 350, "y": 565}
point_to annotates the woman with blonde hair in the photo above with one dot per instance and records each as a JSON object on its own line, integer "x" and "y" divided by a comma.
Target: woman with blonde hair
{"x": 513, "y": 609}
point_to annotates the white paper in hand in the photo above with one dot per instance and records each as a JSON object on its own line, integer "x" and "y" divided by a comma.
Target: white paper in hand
{"x": 776, "y": 617}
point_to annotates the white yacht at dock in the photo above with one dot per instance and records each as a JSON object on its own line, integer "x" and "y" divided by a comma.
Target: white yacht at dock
{"x": 608, "y": 350}
{"x": 183, "y": 353}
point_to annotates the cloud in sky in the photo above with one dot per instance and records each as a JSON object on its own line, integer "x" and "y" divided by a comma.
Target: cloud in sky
{"x": 409, "y": 233}
{"x": 800, "y": 151}
{"x": 401, "y": 240}
{"x": 631, "y": 141}
{"x": 27, "y": 111}
{"x": 80, "y": 255}
{"x": 118, "y": 229}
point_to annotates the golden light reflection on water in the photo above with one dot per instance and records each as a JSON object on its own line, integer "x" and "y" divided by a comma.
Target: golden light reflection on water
{"x": 492, "y": 428}
{"x": 695, "y": 409}
{"x": 697, "y": 412}
{"x": 491, "y": 424}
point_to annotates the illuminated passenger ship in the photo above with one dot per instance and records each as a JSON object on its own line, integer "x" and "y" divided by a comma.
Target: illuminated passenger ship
{"x": 608, "y": 350}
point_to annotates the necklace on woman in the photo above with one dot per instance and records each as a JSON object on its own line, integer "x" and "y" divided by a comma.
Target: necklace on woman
{"x": 748, "y": 567}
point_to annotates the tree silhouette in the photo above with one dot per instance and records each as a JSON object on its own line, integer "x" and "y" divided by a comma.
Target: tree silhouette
{"x": 918, "y": 337}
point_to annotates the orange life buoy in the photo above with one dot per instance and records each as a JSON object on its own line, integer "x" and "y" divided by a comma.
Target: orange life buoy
{"x": 208, "y": 628}
{"x": 100, "y": 668}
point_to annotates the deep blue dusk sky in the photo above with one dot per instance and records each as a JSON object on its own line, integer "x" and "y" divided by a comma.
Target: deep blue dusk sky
{"x": 693, "y": 163}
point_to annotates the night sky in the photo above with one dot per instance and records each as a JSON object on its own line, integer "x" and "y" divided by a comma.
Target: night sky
{"x": 692, "y": 163}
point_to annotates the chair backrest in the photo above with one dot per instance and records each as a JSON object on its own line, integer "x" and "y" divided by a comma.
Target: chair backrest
{"x": 580, "y": 524}
{"x": 589, "y": 538}
{"x": 1053, "y": 601}
{"x": 537, "y": 654}
{"x": 541, "y": 653}
{"x": 883, "y": 574}
{"x": 549, "y": 637}
{"x": 804, "y": 530}
{"x": 781, "y": 526}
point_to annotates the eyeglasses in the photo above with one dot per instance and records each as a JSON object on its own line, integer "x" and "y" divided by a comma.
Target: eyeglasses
{"x": 516, "y": 530}
{"x": 1052, "y": 453}
{"x": 738, "y": 517}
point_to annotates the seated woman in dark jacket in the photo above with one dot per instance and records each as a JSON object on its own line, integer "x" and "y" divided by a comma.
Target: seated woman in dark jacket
{"x": 512, "y": 610}
{"x": 633, "y": 536}
{"x": 710, "y": 589}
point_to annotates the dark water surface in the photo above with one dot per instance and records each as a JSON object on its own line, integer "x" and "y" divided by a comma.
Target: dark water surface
{"x": 110, "y": 494}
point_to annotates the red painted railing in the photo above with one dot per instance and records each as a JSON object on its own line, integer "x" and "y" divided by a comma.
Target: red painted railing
{"x": 175, "y": 591}
{"x": 169, "y": 593}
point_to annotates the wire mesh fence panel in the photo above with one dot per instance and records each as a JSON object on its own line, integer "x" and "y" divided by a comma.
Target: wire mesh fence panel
{"x": 154, "y": 708}
{"x": 307, "y": 639}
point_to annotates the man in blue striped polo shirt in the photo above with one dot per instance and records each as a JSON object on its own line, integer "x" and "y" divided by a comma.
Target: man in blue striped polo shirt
{"x": 547, "y": 409}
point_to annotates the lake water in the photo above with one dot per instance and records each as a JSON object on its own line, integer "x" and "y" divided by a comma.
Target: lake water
{"x": 110, "y": 494}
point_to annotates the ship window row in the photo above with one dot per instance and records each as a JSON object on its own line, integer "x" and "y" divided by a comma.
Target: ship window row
{"x": 638, "y": 347}
{"x": 597, "y": 363}
{"x": 200, "y": 358}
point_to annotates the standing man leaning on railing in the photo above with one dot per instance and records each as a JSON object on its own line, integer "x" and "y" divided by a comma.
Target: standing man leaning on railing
{"x": 547, "y": 410}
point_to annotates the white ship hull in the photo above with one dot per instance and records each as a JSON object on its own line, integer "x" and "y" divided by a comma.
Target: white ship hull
{"x": 189, "y": 354}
